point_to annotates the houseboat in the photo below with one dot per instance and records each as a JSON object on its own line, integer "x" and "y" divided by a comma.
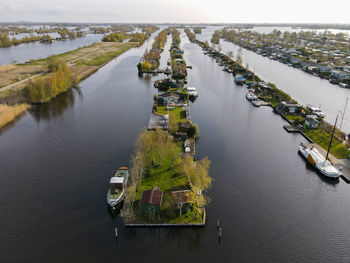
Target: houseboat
{"x": 117, "y": 187}
{"x": 317, "y": 160}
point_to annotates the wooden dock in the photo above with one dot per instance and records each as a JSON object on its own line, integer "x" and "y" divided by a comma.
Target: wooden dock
{"x": 290, "y": 128}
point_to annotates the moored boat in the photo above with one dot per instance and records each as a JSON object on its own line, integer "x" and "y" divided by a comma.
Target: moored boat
{"x": 256, "y": 103}
{"x": 317, "y": 160}
{"x": 239, "y": 79}
{"x": 117, "y": 186}
{"x": 251, "y": 96}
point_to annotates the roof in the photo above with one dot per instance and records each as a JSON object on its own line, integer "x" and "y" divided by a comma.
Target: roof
{"x": 185, "y": 125}
{"x": 117, "y": 180}
{"x": 180, "y": 197}
{"x": 153, "y": 196}
{"x": 169, "y": 94}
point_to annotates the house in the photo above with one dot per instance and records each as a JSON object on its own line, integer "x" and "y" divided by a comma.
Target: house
{"x": 184, "y": 127}
{"x": 290, "y": 108}
{"x": 151, "y": 201}
{"x": 168, "y": 98}
{"x": 311, "y": 122}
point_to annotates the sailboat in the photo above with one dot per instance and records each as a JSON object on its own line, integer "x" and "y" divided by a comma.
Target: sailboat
{"x": 317, "y": 160}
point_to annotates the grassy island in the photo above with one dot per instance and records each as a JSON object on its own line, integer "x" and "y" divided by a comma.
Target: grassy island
{"x": 158, "y": 161}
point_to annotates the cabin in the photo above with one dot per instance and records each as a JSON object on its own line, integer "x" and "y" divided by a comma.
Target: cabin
{"x": 311, "y": 122}
{"x": 168, "y": 98}
{"x": 290, "y": 108}
{"x": 151, "y": 201}
{"x": 116, "y": 184}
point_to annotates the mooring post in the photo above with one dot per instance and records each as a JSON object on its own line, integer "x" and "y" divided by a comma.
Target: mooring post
{"x": 218, "y": 225}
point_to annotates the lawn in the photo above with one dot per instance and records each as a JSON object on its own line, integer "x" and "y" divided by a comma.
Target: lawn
{"x": 322, "y": 138}
{"x": 175, "y": 115}
{"x": 167, "y": 176}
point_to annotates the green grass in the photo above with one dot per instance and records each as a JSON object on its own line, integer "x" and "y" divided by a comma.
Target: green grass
{"x": 175, "y": 115}
{"x": 322, "y": 138}
{"x": 106, "y": 57}
{"x": 167, "y": 176}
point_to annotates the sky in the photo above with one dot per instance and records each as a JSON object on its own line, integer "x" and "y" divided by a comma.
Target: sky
{"x": 179, "y": 11}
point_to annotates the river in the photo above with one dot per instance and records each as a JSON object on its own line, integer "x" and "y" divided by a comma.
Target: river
{"x": 57, "y": 160}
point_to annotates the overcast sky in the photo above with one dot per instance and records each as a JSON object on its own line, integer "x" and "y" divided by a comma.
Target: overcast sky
{"x": 180, "y": 11}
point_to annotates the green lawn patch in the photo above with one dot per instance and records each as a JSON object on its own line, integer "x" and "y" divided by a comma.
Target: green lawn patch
{"x": 175, "y": 115}
{"x": 322, "y": 138}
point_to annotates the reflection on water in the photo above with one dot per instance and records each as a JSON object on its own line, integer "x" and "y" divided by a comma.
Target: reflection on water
{"x": 56, "y": 106}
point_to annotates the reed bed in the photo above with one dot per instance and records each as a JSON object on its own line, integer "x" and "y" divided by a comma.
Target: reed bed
{"x": 9, "y": 113}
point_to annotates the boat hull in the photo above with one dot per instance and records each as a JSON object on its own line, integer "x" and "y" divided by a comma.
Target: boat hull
{"x": 316, "y": 166}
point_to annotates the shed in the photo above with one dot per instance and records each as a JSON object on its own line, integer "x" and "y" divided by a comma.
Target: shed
{"x": 290, "y": 108}
{"x": 311, "y": 122}
{"x": 151, "y": 201}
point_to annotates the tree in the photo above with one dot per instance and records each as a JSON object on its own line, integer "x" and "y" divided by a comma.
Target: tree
{"x": 239, "y": 59}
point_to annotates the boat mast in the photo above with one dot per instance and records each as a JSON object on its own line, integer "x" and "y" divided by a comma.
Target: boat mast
{"x": 330, "y": 142}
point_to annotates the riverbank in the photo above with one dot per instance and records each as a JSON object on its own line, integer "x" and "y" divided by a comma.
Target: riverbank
{"x": 81, "y": 63}
{"x": 10, "y": 113}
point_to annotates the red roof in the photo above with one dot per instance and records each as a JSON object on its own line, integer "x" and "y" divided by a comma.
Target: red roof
{"x": 153, "y": 196}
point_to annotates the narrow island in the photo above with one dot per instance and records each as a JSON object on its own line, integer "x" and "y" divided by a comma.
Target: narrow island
{"x": 168, "y": 181}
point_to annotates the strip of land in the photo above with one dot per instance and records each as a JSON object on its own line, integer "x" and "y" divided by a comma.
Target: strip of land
{"x": 81, "y": 63}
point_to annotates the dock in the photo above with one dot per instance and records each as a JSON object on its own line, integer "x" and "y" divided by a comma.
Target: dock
{"x": 340, "y": 164}
{"x": 290, "y": 128}
{"x": 264, "y": 103}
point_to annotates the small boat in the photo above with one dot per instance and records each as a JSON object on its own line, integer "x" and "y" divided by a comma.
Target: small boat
{"x": 251, "y": 96}
{"x": 117, "y": 186}
{"x": 316, "y": 159}
{"x": 316, "y": 111}
{"x": 343, "y": 85}
{"x": 256, "y": 103}
{"x": 192, "y": 91}
{"x": 239, "y": 79}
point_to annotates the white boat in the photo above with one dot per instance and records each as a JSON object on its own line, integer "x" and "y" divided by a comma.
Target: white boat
{"x": 316, "y": 159}
{"x": 117, "y": 186}
{"x": 256, "y": 103}
{"x": 316, "y": 111}
{"x": 251, "y": 96}
{"x": 192, "y": 91}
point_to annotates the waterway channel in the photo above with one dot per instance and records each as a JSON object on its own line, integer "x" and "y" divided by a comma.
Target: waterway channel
{"x": 57, "y": 160}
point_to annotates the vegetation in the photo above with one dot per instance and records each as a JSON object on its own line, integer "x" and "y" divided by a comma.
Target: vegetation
{"x": 322, "y": 138}
{"x": 9, "y": 113}
{"x": 197, "y": 30}
{"x": 151, "y": 58}
{"x": 191, "y": 36}
{"x": 216, "y": 37}
{"x": 114, "y": 37}
{"x": 49, "y": 86}
{"x": 157, "y": 162}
